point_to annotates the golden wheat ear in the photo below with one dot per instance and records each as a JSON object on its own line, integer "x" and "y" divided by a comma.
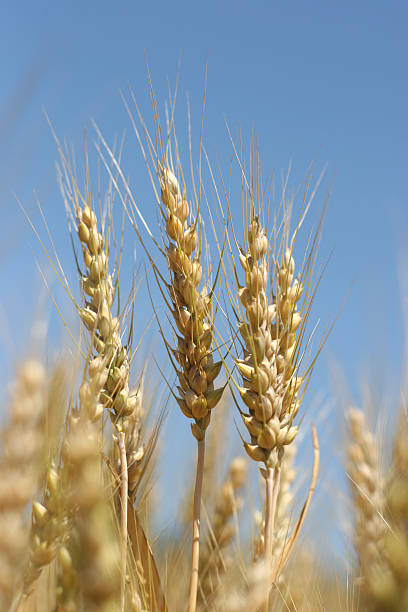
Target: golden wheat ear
{"x": 107, "y": 390}
{"x": 396, "y": 541}
{"x": 188, "y": 295}
{"x": 368, "y": 495}
{"x": 381, "y": 510}
{"x": 22, "y": 441}
{"x": 271, "y": 305}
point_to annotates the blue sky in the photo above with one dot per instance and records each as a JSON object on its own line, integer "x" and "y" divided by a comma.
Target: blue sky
{"x": 320, "y": 77}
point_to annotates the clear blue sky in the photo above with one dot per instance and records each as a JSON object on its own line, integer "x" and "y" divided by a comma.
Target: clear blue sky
{"x": 305, "y": 76}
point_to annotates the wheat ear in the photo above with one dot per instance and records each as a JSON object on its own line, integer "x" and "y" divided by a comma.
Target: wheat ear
{"x": 367, "y": 489}
{"x": 190, "y": 309}
{"x": 20, "y": 469}
{"x": 396, "y": 541}
{"x": 270, "y": 382}
{"x": 93, "y": 553}
{"x": 387, "y": 584}
{"x": 252, "y": 593}
{"x": 124, "y": 408}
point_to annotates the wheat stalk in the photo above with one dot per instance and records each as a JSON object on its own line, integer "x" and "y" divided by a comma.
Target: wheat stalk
{"x": 270, "y": 381}
{"x": 283, "y": 507}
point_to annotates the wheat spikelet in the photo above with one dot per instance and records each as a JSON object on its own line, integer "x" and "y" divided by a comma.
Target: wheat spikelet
{"x": 135, "y": 449}
{"x": 105, "y": 386}
{"x": 48, "y": 529}
{"x": 19, "y": 473}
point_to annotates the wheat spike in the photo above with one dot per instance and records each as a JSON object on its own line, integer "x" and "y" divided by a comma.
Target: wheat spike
{"x": 89, "y": 560}
{"x": 20, "y": 469}
{"x": 387, "y": 582}
{"x": 270, "y": 385}
{"x": 367, "y": 488}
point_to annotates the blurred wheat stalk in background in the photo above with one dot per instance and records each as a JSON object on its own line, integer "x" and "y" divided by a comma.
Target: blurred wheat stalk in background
{"x": 79, "y": 446}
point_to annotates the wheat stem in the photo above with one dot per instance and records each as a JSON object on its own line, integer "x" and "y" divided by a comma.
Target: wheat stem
{"x": 272, "y": 482}
{"x": 123, "y": 515}
{"x": 268, "y": 513}
{"x": 275, "y": 493}
{"x": 196, "y": 526}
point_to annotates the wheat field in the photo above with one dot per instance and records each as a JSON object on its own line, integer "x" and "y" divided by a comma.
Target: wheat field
{"x": 234, "y": 272}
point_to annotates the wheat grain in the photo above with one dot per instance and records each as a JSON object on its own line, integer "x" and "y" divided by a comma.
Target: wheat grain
{"x": 47, "y": 530}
